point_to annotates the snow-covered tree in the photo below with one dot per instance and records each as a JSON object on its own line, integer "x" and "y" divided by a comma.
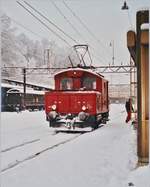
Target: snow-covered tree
{"x": 8, "y": 51}
{"x": 20, "y": 50}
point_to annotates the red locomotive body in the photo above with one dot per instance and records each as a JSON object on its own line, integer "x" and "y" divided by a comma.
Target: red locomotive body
{"x": 80, "y": 99}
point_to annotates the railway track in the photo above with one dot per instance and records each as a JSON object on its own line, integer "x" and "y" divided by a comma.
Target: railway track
{"x": 19, "y": 145}
{"x": 15, "y": 155}
{"x": 38, "y": 139}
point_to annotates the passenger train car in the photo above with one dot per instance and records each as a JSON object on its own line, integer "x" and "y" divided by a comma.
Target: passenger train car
{"x": 80, "y": 99}
{"x": 12, "y": 98}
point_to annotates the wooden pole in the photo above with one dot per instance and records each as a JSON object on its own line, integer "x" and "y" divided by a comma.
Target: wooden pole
{"x": 138, "y": 45}
{"x": 24, "y": 88}
{"x": 142, "y": 76}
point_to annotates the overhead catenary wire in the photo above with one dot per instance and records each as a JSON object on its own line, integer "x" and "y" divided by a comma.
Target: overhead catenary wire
{"x": 20, "y": 50}
{"x": 43, "y": 22}
{"x": 67, "y": 20}
{"x": 88, "y": 30}
{"x": 73, "y": 27}
{"x": 68, "y": 44}
{"x": 47, "y": 26}
{"x": 83, "y": 24}
{"x": 53, "y": 24}
{"x": 58, "y": 28}
{"x": 27, "y": 29}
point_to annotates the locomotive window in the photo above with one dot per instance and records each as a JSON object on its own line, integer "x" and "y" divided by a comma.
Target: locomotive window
{"x": 89, "y": 83}
{"x": 66, "y": 84}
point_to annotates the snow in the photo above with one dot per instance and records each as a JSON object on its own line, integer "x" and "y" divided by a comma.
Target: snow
{"x": 140, "y": 177}
{"x": 105, "y": 157}
{"x": 82, "y": 92}
{"x": 30, "y": 83}
{"x": 78, "y": 69}
{"x": 143, "y": 9}
{"x": 19, "y": 89}
{"x": 28, "y": 91}
{"x": 145, "y": 26}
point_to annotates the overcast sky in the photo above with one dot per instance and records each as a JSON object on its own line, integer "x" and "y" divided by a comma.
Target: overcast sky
{"x": 104, "y": 18}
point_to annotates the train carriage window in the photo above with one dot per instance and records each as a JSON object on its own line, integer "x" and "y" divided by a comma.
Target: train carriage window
{"x": 89, "y": 83}
{"x": 66, "y": 84}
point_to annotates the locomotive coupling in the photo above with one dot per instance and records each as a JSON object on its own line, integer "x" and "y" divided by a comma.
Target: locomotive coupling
{"x": 69, "y": 116}
{"x": 70, "y": 124}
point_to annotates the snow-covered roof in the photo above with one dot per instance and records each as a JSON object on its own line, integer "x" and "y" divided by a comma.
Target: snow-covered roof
{"x": 143, "y": 9}
{"x": 6, "y": 85}
{"x": 19, "y": 89}
{"x": 131, "y": 29}
{"x": 79, "y": 69}
{"x": 145, "y": 26}
{"x": 28, "y": 91}
{"x": 30, "y": 83}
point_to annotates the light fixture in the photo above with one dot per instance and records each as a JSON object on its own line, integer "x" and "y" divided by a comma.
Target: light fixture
{"x": 125, "y": 6}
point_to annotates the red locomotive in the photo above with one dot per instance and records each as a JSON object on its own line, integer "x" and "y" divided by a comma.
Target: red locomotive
{"x": 80, "y": 99}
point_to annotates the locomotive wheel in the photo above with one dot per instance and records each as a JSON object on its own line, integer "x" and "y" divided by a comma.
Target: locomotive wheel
{"x": 95, "y": 126}
{"x": 52, "y": 123}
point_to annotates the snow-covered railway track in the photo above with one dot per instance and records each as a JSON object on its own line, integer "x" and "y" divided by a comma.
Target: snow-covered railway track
{"x": 21, "y": 154}
{"x": 19, "y": 145}
{"x": 38, "y": 139}
{"x": 25, "y": 143}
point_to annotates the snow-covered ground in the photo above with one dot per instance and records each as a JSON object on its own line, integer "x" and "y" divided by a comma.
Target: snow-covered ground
{"x": 34, "y": 156}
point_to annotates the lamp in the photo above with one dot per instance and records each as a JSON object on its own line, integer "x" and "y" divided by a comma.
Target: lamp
{"x": 125, "y": 7}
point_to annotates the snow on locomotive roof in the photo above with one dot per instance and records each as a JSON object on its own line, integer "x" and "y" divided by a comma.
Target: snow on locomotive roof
{"x": 19, "y": 89}
{"x": 85, "y": 91}
{"x": 79, "y": 69}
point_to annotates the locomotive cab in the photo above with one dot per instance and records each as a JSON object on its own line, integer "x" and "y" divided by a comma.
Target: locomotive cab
{"x": 80, "y": 99}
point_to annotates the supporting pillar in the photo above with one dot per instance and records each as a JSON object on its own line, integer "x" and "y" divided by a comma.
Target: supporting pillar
{"x": 138, "y": 45}
{"x": 24, "y": 88}
{"x": 131, "y": 44}
{"x": 142, "y": 89}
{"x": 144, "y": 123}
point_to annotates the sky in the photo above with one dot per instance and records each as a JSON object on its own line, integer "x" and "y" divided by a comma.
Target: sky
{"x": 103, "y": 18}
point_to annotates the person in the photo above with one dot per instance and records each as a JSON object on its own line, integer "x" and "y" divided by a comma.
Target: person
{"x": 129, "y": 109}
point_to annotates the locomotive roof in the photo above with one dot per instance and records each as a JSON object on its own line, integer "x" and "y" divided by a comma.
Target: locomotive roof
{"x": 79, "y": 69}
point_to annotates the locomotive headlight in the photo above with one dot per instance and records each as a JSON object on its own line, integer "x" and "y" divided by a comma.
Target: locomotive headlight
{"x": 54, "y": 107}
{"x": 84, "y": 108}
{"x": 52, "y": 114}
{"x": 82, "y": 116}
